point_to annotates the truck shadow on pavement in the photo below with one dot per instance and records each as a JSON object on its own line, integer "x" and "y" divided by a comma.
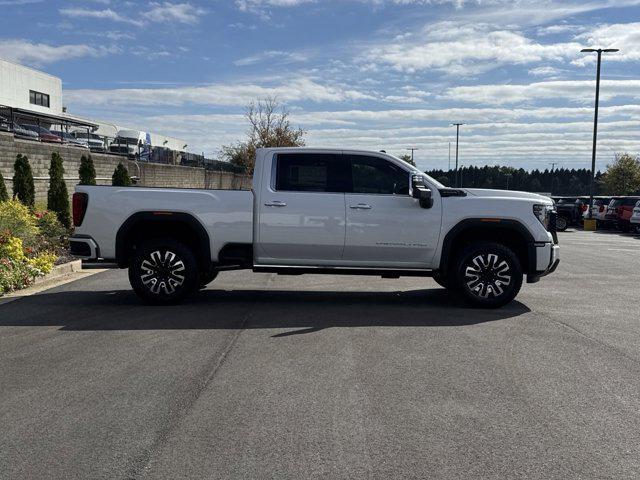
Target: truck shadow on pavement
{"x": 310, "y": 311}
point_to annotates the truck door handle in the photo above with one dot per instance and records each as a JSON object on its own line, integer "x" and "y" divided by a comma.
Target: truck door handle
{"x": 361, "y": 206}
{"x": 275, "y": 203}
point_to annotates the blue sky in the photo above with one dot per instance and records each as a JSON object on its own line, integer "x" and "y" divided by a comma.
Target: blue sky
{"x": 378, "y": 74}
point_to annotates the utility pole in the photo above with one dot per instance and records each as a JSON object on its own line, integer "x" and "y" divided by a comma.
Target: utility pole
{"x": 599, "y": 51}
{"x": 412, "y": 150}
{"x": 449, "y": 156}
{"x": 457, "y": 125}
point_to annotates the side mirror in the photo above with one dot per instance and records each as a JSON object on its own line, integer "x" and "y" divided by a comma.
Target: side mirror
{"x": 421, "y": 191}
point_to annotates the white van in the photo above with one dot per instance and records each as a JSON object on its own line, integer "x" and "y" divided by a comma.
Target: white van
{"x": 133, "y": 143}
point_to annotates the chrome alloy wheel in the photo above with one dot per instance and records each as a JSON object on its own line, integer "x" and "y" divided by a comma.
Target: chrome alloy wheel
{"x": 162, "y": 272}
{"x": 487, "y": 275}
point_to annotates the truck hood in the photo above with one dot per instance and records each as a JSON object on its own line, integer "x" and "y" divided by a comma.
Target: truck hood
{"x": 484, "y": 192}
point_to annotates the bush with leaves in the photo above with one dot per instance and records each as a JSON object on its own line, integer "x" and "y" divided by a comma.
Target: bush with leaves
{"x": 120, "y": 177}
{"x": 23, "y": 187}
{"x": 4, "y": 196}
{"x": 29, "y": 244}
{"x": 18, "y": 220}
{"x": 57, "y": 196}
{"x": 87, "y": 171}
{"x": 19, "y": 266}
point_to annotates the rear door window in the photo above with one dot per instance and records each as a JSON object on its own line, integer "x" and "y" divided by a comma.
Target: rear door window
{"x": 311, "y": 172}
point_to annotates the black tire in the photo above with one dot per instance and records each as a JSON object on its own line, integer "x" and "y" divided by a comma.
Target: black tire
{"x": 624, "y": 227}
{"x": 207, "y": 278}
{"x": 488, "y": 274}
{"x": 163, "y": 271}
{"x": 561, "y": 223}
{"x": 444, "y": 282}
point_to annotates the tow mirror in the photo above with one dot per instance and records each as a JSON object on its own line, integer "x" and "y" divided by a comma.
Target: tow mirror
{"x": 421, "y": 191}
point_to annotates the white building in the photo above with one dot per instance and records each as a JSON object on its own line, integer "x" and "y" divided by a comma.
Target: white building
{"x": 28, "y": 89}
{"x": 34, "y": 96}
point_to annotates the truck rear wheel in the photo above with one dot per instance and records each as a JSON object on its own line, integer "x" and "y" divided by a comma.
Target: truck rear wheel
{"x": 163, "y": 271}
{"x": 488, "y": 274}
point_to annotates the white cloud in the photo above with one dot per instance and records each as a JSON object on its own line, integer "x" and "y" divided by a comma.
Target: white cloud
{"x": 233, "y": 94}
{"x": 278, "y": 56}
{"x": 106, "y": 14}
{"x": 157, "y": 12}
{"x": 574, "y": 91}
{"x": 18, "y": 2}
{"x": 545, "y": 71}
{"x": 465, "y": 48}
{"x": 625, "y": 36}
{"x": 560, "y": 28}
{"x": 23, "y": 51}
{"x": 174, "y": 12}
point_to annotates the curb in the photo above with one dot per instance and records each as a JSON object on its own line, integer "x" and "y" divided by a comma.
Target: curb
{"x": 59, "y": 271}
{"x": 59, "y": 275}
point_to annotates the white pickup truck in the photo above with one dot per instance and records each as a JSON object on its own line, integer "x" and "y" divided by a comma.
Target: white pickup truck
{"x": 321, "y": 211}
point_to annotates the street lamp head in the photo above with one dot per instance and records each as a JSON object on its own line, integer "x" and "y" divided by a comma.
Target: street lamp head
{"x": 604, "y": 50}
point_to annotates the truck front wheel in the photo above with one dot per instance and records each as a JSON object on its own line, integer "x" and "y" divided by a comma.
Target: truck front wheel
{"x": 488, "y": 274}
{"x": 163, "y": 271}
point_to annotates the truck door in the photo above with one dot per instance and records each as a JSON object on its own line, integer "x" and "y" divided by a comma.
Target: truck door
{"x": 302, "y": 211}
{"x": 385, "y": 226}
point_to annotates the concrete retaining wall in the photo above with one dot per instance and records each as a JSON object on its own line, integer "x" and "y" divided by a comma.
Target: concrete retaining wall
{"x": 151, "y": 174}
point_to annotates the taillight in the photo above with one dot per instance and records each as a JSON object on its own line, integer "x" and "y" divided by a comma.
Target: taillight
{"x": 601, "y": 208}
{"x": 79, "y": 204}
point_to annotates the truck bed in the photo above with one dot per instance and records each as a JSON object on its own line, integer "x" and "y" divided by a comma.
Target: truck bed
{"x": 227, "y": 215}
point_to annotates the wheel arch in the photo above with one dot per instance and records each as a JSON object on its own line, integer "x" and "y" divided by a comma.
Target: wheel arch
{"x": 152, "y": 224}
{"x": 508, "y": 232}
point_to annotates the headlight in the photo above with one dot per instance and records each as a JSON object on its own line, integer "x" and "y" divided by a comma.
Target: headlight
{"x": 542, "y": 212}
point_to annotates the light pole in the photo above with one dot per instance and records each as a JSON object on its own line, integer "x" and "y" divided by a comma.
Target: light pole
{"x": 599, "y": 51}
{"x": 457, "y": 125}
{"x": 412, "y": 150}
{"x": 553, "y": 167}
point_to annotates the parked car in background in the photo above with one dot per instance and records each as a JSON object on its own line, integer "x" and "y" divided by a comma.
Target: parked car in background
{"x": 132, "y": 143}
{"x": 94, "y": 142}
{"x": 635, "y": 217}
{"x": 570, "y": 211}
{"x": 69, "y": 139}
{"x": 619, "y": 212}
{"x": 44, "y": 134}
{"x": 599, "y": 209}
{"x": 21, "y": 132}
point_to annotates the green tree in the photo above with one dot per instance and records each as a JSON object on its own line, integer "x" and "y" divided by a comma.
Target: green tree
{"x": 120, "y": 177}
{"x": 407, "y": 158}
{"x": 23, "y": 187}
{"x": 87, "y": 171}
{"x": 4, "y": 196}
{"x": 269, "y": 126}
{"x": 57, "y": 196}
{"x": 535, "y": 185}
{"x": 623, "y": 175}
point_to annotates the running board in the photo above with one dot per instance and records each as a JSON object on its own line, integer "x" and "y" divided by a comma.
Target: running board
{"x": 382, "y": 272}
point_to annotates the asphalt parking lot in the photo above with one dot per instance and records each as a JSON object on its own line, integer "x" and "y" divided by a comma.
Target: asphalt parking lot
{"x": 263, "y": 376}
